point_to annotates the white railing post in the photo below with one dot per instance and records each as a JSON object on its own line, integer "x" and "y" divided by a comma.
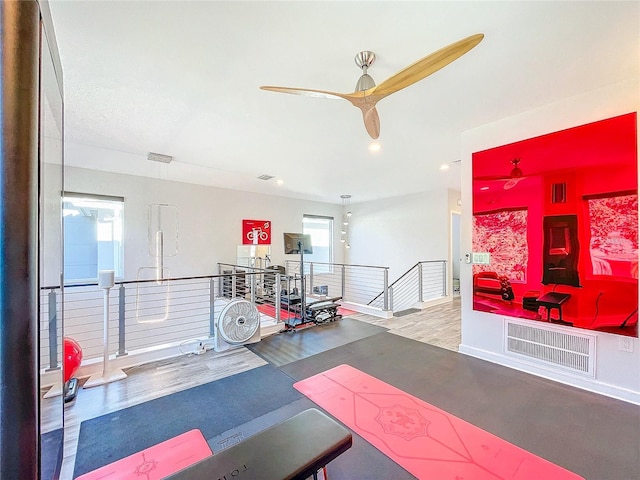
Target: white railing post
{"x": 390, "y": 290}
{"x": 310, "y": 277}
{"x": 105, "y": 281}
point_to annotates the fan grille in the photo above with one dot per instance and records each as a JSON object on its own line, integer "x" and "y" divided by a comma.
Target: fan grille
{"x": 238, "y": 322}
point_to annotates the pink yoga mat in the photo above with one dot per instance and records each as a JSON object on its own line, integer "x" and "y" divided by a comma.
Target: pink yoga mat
{"x": 425, "y": 440}
{"x": 156, "y": 462}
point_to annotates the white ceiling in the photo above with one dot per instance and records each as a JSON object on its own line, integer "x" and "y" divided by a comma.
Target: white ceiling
{"x": 181, "y": 78}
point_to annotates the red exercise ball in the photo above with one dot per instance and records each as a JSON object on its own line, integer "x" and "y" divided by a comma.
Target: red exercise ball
{"x": 72, "y": 357}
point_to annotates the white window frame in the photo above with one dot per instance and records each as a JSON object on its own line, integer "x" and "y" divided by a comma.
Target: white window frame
{"x": 319, "y": 219}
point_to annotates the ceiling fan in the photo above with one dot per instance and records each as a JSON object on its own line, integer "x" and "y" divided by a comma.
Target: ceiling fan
{"x": 367, "y": 94}
{"x": 515, "y": 176}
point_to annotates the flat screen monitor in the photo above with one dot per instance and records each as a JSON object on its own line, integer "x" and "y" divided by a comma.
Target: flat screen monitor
{"x": 293, "y": 242}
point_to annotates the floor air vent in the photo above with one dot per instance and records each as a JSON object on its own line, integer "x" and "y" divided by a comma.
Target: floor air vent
{"x": 568, "y": 351}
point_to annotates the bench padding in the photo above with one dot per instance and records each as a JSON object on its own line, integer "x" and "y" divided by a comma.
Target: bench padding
{"x": 291, "y": 450}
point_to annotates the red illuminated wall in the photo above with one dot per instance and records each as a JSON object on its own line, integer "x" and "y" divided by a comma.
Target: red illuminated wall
{"x": 558, "y": 175}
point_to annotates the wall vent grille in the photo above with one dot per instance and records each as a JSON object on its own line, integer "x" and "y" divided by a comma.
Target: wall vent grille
{"x": 569, "y": 351}
{"x": 265, "y": 177}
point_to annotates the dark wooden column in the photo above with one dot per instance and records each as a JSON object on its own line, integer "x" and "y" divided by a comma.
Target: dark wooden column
{"x": 19, "y": 422}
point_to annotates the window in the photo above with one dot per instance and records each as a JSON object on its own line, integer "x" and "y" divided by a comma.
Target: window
{"x": 503, "y": 234}
{"x": 321, "y": 231}
{"x": 93, "y": 226}
{"x": 613, "y": 221}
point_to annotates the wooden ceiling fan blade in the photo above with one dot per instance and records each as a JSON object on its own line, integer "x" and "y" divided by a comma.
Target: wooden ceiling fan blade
{"x": 492, "y": 178}
{"x": 306, "y": 92}
{"x": 512, "y": 182}
{"x": 371, "y": 122}
{"x": 427, "y": 65}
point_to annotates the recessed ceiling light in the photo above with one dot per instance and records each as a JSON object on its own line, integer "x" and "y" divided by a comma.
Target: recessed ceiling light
{"x": 484, "y": 188}
{"x": 280, "y": 181}
{"x": 444, "y": 166}
{"x": 375, "y": 146}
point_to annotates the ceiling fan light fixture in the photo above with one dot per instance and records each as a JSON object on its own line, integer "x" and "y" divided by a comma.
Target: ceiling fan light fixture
{"x": 365, "y": 82}
{"x": 515, "y": 172}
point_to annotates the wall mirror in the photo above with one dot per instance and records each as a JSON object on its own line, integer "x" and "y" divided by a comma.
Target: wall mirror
{"x": 51, "y": 292}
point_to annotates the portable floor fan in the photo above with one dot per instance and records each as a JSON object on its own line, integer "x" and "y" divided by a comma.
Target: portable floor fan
{"x": 237, "y": 324}
{"x": 367, "y": 94}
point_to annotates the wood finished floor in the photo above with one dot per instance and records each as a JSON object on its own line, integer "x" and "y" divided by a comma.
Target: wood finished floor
{"x": 438, "y": 325}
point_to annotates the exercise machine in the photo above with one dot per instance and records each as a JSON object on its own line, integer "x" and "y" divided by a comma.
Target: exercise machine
{"x": 305, "y": 312}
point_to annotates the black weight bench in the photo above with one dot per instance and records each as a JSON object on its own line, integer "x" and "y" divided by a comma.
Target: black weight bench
{"x": 291, "y": 450}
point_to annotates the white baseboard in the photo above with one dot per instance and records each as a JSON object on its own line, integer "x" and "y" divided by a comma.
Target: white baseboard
{"x": 368, "y": 309}
{"x": 433, "y": 302}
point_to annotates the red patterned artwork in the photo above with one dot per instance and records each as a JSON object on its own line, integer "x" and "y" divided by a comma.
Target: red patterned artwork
{"x": 504, "y": 236}
{"x": 614, "y": 235}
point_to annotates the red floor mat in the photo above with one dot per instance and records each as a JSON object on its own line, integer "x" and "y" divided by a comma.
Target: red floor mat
{"x": 271, "y": 311}
{"x": 284, "y": 315}
{"x": 156, "y": 462}
{"x": 345, "y": 312}
{"x": 426, "y": 441}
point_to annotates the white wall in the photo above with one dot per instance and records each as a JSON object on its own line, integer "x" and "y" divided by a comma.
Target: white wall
{"x": 617, "y": 372}
{"x": 210, "y": 219}
{"x": 398, "y": 232}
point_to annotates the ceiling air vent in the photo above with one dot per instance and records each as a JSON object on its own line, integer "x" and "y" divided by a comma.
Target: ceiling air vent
{"x": 158, "y": 157}
{"x": 265, "y": 177}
